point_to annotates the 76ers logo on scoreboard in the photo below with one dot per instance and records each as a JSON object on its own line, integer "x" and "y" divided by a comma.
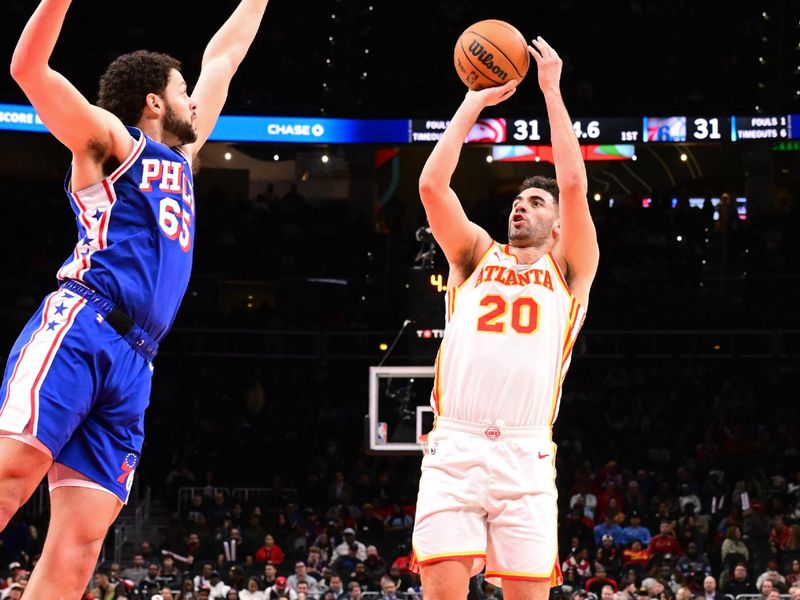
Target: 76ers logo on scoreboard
{"x": 174, "y": 217}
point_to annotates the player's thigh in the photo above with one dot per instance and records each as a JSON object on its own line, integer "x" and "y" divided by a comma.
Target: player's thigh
{"x": 446, "y": 579}
{"x": 81, "y": 515}
{"x": 22, "y": 468}
{"x": 450, "y": 520}
{"x": 525, "y": 590}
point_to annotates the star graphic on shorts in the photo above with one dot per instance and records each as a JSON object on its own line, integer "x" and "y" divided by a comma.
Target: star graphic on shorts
{"x": 87, "y": 240}
{"x": 60, "y": 308}
{"x": 97, "y": 214}
{"x": 52, "y": 325}
{"x": 85, "y": 251}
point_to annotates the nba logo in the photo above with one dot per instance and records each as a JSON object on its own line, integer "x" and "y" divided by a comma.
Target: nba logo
{"x": 381, "y": 433}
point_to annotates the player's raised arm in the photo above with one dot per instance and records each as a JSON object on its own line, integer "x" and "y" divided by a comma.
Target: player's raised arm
{"x": 461, "y": 240}
{"x": 221, "y": 59}
{"x": 70, "y": 117}
{"x": 577, "y": 249}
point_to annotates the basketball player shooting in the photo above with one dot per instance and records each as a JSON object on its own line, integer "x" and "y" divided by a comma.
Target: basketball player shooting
{"x": 487, "y": 493}
{"x": 78, "y": 378}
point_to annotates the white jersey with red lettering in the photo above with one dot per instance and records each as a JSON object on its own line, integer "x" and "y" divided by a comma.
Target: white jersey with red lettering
{"x": 507, "y": 343}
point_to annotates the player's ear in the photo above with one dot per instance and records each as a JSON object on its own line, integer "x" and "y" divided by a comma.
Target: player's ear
{"x": 154, "y": 103}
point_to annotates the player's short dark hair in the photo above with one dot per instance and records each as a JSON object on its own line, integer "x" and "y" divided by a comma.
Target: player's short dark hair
{"x": 129, "y": 78}
{"x": 548, "y": 184}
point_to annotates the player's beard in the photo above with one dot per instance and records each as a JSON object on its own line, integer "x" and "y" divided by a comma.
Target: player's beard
{"x": 181, "y": 129}
{"x": 530, "y": 234}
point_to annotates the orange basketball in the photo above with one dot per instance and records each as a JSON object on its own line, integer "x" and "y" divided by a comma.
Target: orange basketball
{"x": 491, "y": 53}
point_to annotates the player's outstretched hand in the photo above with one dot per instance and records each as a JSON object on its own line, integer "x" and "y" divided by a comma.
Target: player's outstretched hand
{"x": 494, "y": 95}
{"x": 548, "y": 64}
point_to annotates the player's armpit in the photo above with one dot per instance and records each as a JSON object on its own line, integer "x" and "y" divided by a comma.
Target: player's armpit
{"x": 85, "y": 129}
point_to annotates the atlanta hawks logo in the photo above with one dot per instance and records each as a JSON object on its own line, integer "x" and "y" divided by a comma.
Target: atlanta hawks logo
{"x": 492, "y": 432}
{"x": 128, "y": 465}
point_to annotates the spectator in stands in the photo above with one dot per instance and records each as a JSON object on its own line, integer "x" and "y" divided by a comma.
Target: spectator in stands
{"x": 779, "y": 534}
{"x": 739, "y": 583}
{"x": 376, "y": 567}
{"x": 346, "y": 563}
{"x": 397, "y": 525}
{"x": 608, "y": 555}
{"x": 637, "y": 556}
{"x": 268, "y": 577}
{"x": 635, "y": 531}
{"x": 323, "y": 542}
{"x": 337, "y": 588}
{"x": 151, "y": 579}
{"x": 217, "y": 588}
{"x": 103, "y": 588}
{"x": 314, "y": 562}
{"x": 595, "y": 584}
{"x": 586, "y": 498}
{"x": 369, "y": 528}
{"x": 634, "y": 499}
{"x": 359, "y": 576}
{"x": 794, "y": 593}
{"x": 580, "y": 562}
{"x": 254, "y": 532}
{"x": 572, "y": 581}
{"x": 665, "y": 541}
{"x": 765, "y": 588}
{"x": 269, "y": 552}
{"x": 231, "y": 594}
{"x": 280, "y": 590}
{"x": 339, "y": 491}
{"x": 791, "y": 550}
{"x": 203, "y": 578}
{"x": 710, "y": 591}
{"x": 236, "y": 577}
{"x": 687, "y": 496}
{"x": 388, "y": 589}
{"x": 14, "y": 592}
{"x": 689, "y": 532}
{"x": 170, "y": 575}
{"x": 576, "y": 525}
{"x": 607, "y": 593}
{"x": 252, "y": 592}
{"x": 694, "y": 566}
{"x": 772, "y": 575}
{"x": 605, "y": 498}
{"x": 137, "y": 571}
{"x": 218, "y": 510}
{"x": 793, "y": 577}
{"x": 301, "y": 574}
{"x": 666, "y": 497}
{"x": 343, "y": 549}
{"x": 607, "y": 527}
{"x": 231, "y": 548}
{"x": 354, "y": 591}
{"x": 733, "y": 548}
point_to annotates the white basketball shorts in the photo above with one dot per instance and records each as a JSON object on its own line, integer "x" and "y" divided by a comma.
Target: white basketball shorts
{"x": 487, "y": 492}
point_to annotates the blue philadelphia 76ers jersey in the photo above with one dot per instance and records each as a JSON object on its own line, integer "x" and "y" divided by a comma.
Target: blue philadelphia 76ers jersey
{"x": 135, "y": 234}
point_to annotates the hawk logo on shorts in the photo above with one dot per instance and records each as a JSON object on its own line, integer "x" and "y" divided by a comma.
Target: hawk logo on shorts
{"x": 492, "y": 432}
{"x": 128, "y": 465}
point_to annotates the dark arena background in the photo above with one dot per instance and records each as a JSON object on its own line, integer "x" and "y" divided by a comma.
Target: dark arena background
{"x": 313, "y": 264}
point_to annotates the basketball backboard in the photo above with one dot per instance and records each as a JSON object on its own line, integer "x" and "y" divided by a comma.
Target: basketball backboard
{"x": 400, "y": 414}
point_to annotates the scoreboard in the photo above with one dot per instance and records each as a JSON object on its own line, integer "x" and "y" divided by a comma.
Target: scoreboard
{"x": 521, "y": 129}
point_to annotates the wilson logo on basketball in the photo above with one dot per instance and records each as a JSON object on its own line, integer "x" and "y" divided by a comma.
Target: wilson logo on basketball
{"x": 486, "y": 58}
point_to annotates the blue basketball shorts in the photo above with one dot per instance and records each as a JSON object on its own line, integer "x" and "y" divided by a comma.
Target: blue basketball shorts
{"x": 79, "y": 388}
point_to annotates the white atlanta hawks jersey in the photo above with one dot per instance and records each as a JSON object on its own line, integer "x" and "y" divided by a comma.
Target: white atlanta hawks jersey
{"x": 507, "y": 343}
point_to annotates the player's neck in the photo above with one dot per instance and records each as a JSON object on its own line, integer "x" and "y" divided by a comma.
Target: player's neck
{"x": 527, "y": 255}
{"x": 155, "y": 131}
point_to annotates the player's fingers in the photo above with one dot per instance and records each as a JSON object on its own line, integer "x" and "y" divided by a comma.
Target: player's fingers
{"x": 535, "y": 53}
{"x": 547, "y": 47}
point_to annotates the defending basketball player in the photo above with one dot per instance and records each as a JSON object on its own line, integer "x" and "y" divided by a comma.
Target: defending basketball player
{"x": 487, "y": 491}
{"x": 78, "y": 378}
